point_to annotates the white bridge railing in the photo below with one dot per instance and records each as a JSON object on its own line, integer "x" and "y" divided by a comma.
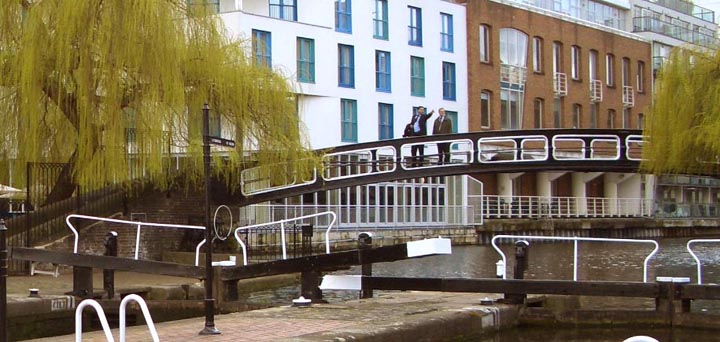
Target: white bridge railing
{"x": 695, "y": 257}
{"x": 495, "y": 206}
{"x": 575, "y": 249}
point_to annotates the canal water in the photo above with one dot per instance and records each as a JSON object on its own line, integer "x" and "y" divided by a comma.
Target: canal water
{"x": 554, "y": 260}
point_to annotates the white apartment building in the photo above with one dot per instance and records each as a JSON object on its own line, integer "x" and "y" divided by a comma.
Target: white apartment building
{"x": 360, "y": 66}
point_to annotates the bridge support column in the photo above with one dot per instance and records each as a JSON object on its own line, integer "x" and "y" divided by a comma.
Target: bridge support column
{"x": 579, "y": 190}
{"x": 544, "y": 182}
{"x": 626, "y": 186}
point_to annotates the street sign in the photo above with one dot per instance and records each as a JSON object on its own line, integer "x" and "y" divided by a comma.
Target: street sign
{"x": 220, "y": 141}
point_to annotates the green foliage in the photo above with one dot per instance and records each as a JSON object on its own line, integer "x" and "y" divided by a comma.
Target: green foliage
{"x": 81, "y": 76}
{"x": 684, "y": 124}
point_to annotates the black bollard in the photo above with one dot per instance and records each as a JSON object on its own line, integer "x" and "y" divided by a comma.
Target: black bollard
{"x": 111, "y": 249}
{"x": 365, "y": 242}
{"x": 3, "y": 282}
{"x": 521, "y": 264}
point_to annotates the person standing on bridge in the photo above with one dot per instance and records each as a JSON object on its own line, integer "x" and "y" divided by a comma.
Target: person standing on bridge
{"x": 416, "y": 128}
{"x": 443, "y": 125}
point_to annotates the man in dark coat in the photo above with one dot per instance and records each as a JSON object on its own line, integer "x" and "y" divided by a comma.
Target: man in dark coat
{"x": 443, "y": 125}
{"x": 419, "y": 128}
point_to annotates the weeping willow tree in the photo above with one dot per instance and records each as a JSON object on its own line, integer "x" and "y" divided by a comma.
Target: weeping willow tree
{"x": 105, "y": 85}
{"x": 684, "y": 125}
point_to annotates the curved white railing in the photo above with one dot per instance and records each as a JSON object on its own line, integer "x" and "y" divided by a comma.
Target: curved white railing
{"x": 146, "y": 314}
{"x": 575, "y": 248}
{"x": 135, "y": 223}
{"x": 282, "y": 232}
{"x": 101, "y": 316}
{"x": 697, "y": 260}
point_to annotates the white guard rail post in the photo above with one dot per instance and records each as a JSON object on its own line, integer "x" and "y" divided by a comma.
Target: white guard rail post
{"x": 697, "y": 260}
{"x": 101, "y": 316}
{"x": 282, "y": 232}
{"x": 575, "y": 249}
{"x": 146, "y": 314}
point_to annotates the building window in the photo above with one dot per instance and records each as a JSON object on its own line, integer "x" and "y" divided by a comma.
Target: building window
{"x": 380, "y": 21}
{"x": 453, "y": 116}
{"x": 346, "y": 66}
{"x": 577, "y": 113}
{"x": 611, "y": 118}
{"x": 448, "y": 72}
{"x": 575, "y": 61}
{"x": 283, "y": 9}
{"x": 204, "y": 6}
{"x": 557, "y": 57}
{"x": 537, "y": 54}
{"x": 415, "y": 27}
{"x": 640, "y": 76}
{"x": 593, "y": 115}
{"x": 626, "y": 118}
{"x": 305, "y": 60}
{"x": 641, "y": 121}
{"x": 484, "y": 43}
{"x": 538, "y": 105}
{"x": 510, "y": 109}
{"x": 446, "y": 35}
{"x": 626, "y": 72}
{"x": 382, "y": 71}
{"x": 343, "y": 16}
{"x": 262, "y": 47}
{"x": 592, "y": 65}
{"x": 484, "y": 109}
{"x": 348, "y": 110}
{"x": 385, "y": 121}
{"x": 557, "y": 113}
{"x": 610, "y": 70}
{"x": 513, "y": 47}
{"x": 417, "y": 76}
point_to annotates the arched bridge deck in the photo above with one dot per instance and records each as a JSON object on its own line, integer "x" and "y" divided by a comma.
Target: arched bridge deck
{"x": 579, "y": 150}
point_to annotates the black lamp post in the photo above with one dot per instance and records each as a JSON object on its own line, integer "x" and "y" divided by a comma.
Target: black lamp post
{"x": 209, "y": 300}
{"x": 3, "y": 282}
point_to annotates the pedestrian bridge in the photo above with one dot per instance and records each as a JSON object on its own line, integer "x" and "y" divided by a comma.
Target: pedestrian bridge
{"x": 579, "y": 150}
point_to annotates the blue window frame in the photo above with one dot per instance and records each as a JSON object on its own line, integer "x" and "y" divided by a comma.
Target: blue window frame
{"x": 385, "y": 121}
{"x": 382, "y": 71}
{"x": 262, "y": 47}
{"x": 346, "y": 66}
{"x": 305, "y": 60}
{"x": 453, "y": 116}
{"x": 415, "y": 27}
{"x": 380, "y": 21}
{"x": 343, "y": 16}
{"x": 283, "y": 9}
{"x": 348, "y": 129}
{"x": 417, "y": 76}
{"x": 446, "y": 35}
{"x": 448, "y": 72}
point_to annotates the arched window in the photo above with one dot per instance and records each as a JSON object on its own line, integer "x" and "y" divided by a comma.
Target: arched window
{"x": 513, "y": 47}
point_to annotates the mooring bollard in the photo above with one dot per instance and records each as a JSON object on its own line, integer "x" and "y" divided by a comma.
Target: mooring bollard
{"x": 365, "y": 242}
{"x": 111, "y": 249}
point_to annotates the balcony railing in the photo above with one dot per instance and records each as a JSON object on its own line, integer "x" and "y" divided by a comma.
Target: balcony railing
{"x": 688, "y": 8}
{"x": 628, "y": 96}
{"x": 650, "y": 24}
{"x": 596, "y": 94}
{"x": 560, "y": 84}
{"x": 503, "y": 207}
{"x": 513, "y": 74}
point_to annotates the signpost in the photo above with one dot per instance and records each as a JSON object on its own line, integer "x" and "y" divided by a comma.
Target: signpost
{"x": 209, "y": 300}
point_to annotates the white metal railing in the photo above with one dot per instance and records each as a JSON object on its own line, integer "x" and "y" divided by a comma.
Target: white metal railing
{"x": 628, "y": 96}
{"x": 575, "y": 249}
{"x": 282, "y": 232}
{"x": 499, "y": 206}
{"x": 596, "y": 94}
{"x": 139, "y": 225}
{"x": 697, "y": 260}
{"x": 104, "y": 322}
{"x": 560, "y": 84}
{"x": 513, "y": 74}
{"x": 376, "y": 216}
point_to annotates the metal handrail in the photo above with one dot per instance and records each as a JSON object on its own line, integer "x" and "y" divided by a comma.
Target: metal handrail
{"x": 282, "y": 232}
{"x": 697, "y": 260}
{"x": 101, "y": 315}
{"x": 139, "y": 224}
{"x": 575, "y": 248}
{"x": 146, "y": 315}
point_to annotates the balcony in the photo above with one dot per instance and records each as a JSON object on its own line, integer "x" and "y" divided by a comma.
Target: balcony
{"x": 687, "y": 7}
{"x": 628, "y": 96}
{"x": 513, "y": 75}
{"x": 596, "y": 94}
{"x": 560, "y": 84}
{"x": 650, "y": 24}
